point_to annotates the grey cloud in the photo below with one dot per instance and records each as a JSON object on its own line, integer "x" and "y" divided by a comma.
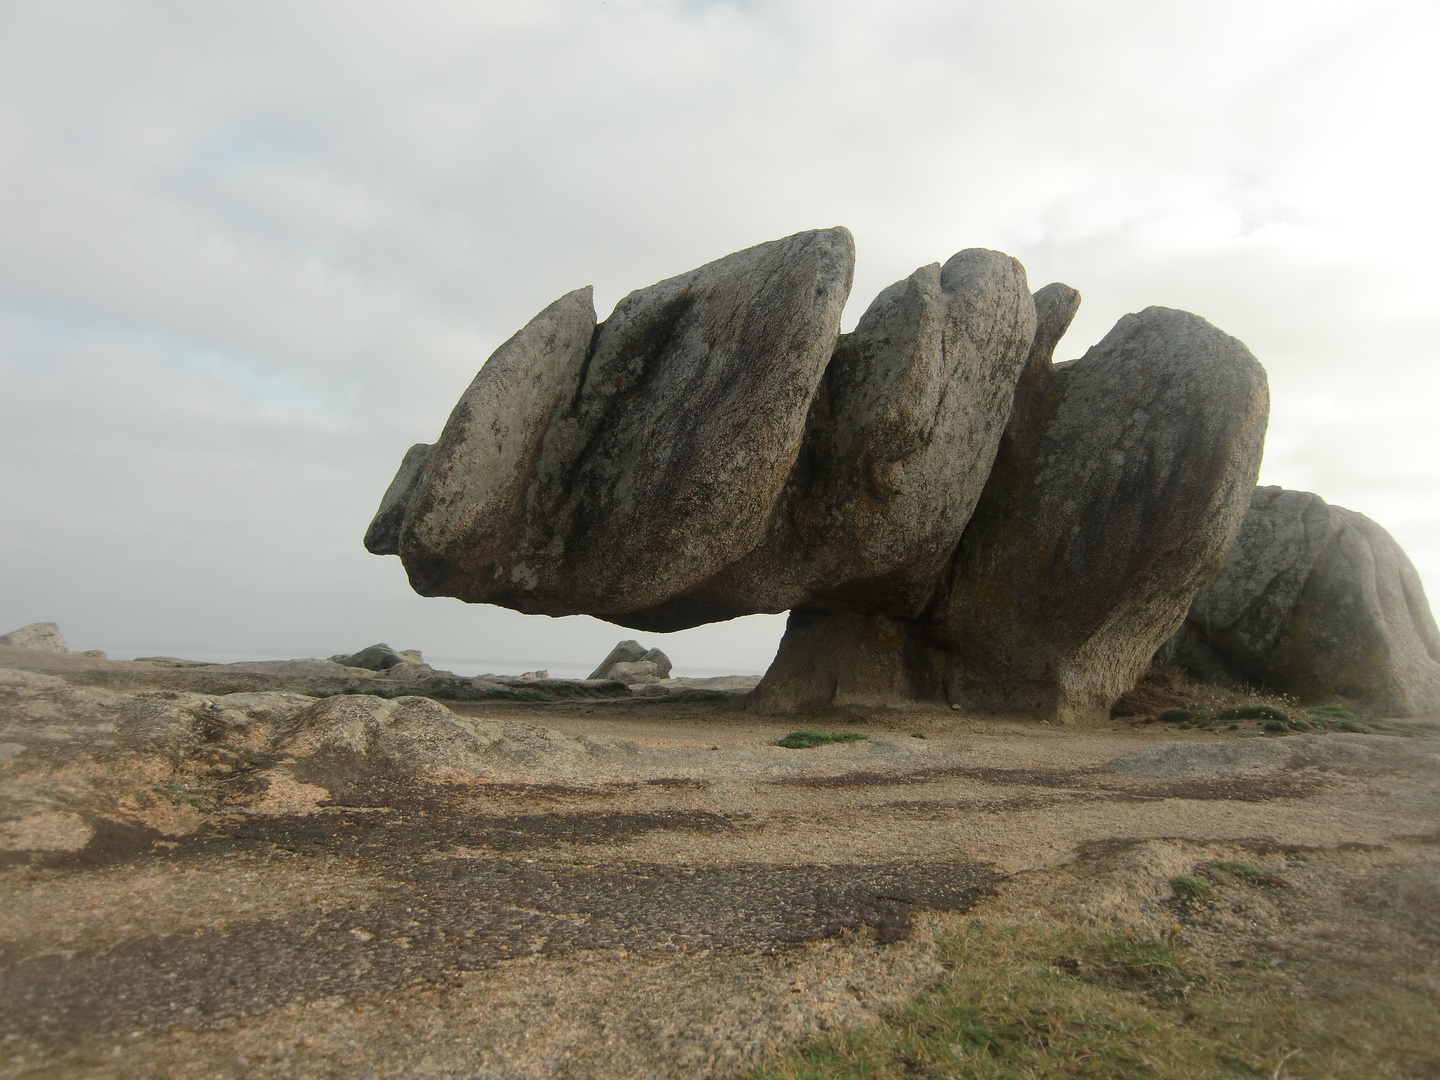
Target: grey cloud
{"x": 252, "y": 251}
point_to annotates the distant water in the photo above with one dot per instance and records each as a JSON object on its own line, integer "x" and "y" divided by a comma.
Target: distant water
{"x": 460, "y": 665}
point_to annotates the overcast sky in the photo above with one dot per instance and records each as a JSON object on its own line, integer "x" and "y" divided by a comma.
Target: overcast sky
{"x": 251, "y": 251}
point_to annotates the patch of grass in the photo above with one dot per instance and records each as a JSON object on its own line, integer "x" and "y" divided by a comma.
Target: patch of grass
{"x": 1184, "y": 715}
{"x": 1039, "y": 1000}
{"x": 1247, "y": 871}
{"x": 917, "y": 735}
{"x": 1253, "y": 712}
{"x": 1331, "y": 712}
{"x": 1189, "y": 886}
{"x": 179, "y": 795}
{"x": 804, "y": 740}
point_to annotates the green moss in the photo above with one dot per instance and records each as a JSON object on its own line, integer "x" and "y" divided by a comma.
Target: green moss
{"x": 1253, "y": 712}
{"x": 1185, "y": 715}
{"x": 804, "y": 740}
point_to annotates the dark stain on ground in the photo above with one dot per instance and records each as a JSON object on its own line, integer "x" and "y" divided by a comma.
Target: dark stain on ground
{"x": 448, "y": 916}
{"x": 367, "y": 833}
{"x": 1093, "y": 850}
{"x": 1049, "y": 778}
{"x": 1239, "y": 788}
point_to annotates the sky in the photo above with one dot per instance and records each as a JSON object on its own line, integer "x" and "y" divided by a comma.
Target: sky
{"x": 251, "y": 251}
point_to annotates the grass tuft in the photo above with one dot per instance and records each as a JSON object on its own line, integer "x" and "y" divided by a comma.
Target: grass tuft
{"x": 804, "y": 740}
{"x": 1188, "y": 886}
{"x": 1248, "y": 871}
{"x": 1253, "y": 712}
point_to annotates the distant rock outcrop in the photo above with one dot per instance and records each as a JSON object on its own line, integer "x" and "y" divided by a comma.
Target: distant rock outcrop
{"x": 947, "y": 515}
{"x": 1319, "y": 602}
{"x": 630, "y": 662}
{"x": 379, "y": 657}
{"x": 44, "y": 636}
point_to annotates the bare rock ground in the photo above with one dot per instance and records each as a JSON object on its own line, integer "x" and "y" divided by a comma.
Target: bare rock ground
{"x": 269, "y": 883}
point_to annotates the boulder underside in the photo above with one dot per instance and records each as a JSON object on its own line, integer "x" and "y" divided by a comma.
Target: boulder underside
{"x": 947, "y": 514}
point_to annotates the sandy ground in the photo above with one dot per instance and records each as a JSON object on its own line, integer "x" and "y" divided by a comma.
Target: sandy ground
{"x": 662, "y": 892}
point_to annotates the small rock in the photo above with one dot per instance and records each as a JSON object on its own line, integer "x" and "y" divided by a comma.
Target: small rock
{"x": 409, "y": 670}
{"x": 41, "y": 636}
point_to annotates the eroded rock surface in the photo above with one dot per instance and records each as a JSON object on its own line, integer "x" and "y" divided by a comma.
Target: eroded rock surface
{"x": 44, "y": 636}
{"x": 605, "y": 469}
{"x": 898, "y": 443}
{"x": 1316, "y": 601}
{"x": 1119, "y": 488}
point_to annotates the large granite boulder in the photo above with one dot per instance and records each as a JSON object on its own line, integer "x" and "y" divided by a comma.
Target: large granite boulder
{"x": 898, "y": 442}
{"x": 1119, "y": 488}
{"x": 1316, "y": 601}
{"x": 605, "y": 469}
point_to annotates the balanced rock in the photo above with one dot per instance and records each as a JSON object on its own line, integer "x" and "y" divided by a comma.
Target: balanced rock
{"x": 1319, "y": 602}
{"x": 659, "y": 439}
{"x": 44, "y": 636}
{"x": 946, "y": 514}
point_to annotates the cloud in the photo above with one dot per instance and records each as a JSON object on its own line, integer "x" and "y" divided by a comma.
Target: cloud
{"x": 253, "y": 251}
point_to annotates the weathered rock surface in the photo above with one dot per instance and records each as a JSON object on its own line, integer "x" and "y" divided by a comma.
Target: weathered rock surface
{"x": 826, "y": 659}
{"x": 383, "y": 535}
{"x": 76, "y": 754}
{"x": 44, "y": 636}
{"x": 660, "y": 439}
{"x": 898, "y": 443}
{"x": 1316, "y": 601}
{"x": 1119, "y": 488}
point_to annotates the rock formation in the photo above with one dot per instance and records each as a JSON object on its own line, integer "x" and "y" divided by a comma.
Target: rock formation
{"x": 44, "y": 636}
{"x": 1316, "y": 601}
{"x": 1120, "y": 487}
{"x": 630, "y": 662}
{"x": 379, "y": 657}
{"x": 716, "y": 448}
{"x": 605, "y": 469}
